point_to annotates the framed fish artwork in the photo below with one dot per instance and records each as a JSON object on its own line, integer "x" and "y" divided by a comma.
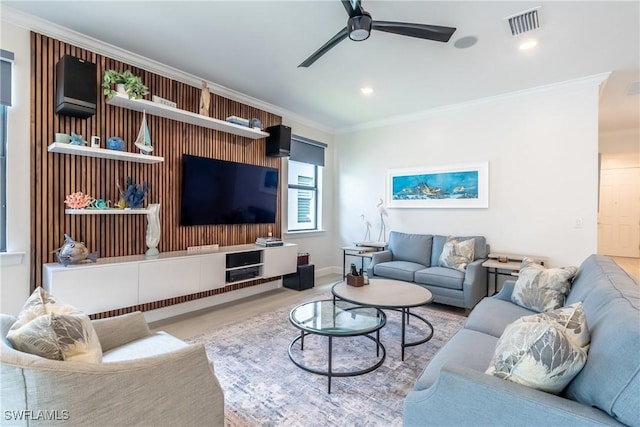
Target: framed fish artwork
{"x": 446, "y": 186}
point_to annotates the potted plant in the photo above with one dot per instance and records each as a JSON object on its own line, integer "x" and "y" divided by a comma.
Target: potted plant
{"x": 131, "y": 84}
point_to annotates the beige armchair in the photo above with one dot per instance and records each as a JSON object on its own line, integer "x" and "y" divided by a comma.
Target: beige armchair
{"x": 144, "y": 379}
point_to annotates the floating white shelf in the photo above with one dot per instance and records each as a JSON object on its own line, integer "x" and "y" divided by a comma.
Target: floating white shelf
{"x": 102, "y": 153}
{"x": 106, "y": 211}
{"x": 161, "y": 110}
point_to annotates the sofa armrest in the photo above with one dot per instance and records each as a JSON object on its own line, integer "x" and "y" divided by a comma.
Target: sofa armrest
{"x": 506, "y": 290}
{"x": 116, "y": 331}
{"x": 475, "y": 283}
{"x": 377, "y": 258}
{"x": 174, "y": 388}
{"x": 463, "y": 396}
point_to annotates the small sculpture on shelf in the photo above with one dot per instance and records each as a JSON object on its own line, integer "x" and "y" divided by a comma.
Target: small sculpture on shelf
{"x": 72, "y": 252}
{"x": 205, "y": 99}
{"x": 115, "y": 143}
{"x": 77, "y": 140}
{"x": 78, "y": 200}
{"x": 134, "y": 194}
{"x": 143, "y": 141}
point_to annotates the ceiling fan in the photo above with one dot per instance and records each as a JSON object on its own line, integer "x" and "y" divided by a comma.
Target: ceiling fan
{"x": 360, "y": 24}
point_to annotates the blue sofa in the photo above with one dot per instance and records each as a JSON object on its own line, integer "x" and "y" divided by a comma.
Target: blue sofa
{"x": 415, "y": 258}
{"x": 454, "y": 390}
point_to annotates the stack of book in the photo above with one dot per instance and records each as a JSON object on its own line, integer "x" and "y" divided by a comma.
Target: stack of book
{"x": 269, "y": 241}
{"x": 238, "y": 121}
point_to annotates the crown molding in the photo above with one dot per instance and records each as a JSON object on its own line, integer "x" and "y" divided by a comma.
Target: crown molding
{"x": 39, "y": 25}
{"x": 593, "y": 80}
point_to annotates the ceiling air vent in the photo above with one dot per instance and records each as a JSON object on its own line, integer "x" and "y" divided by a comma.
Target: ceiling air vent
{"x": 523, "y": 22}
{"x": 634, "y": 88}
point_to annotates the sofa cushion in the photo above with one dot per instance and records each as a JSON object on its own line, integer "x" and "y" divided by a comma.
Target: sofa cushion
{"x": 493, "y": 315}
{"x": 610, "y": 380}
{"x": 411, "y": 247}
{"x": 440, "y": 276}
{"x": 153, "y": 345}
{"x": 52, "y": 329}
{"x": 457, "y": 255}
{"x": 543, "y": 351}
{"x": 466, "y": 348}
{"x": 541, "y": 289}
{"x": 398, "y": 270}
{"x": 479, "y": 250}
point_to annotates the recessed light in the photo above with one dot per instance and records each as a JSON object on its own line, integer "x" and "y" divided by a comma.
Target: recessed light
{"x": 366, "y": 90}
{"x": 528, "y": 44}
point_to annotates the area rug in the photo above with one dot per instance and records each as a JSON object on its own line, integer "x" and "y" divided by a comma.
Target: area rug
{"x": 262, "y": 387}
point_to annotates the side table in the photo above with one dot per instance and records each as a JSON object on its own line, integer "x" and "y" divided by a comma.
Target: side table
{"x": 361, "y": 250}
{"x": 510, "y": 267}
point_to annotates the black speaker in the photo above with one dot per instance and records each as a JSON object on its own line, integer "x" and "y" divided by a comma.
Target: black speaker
{"x": 76, "y": 87}
{"x": 278, "y": 141}
{"x": 303, "y": 278}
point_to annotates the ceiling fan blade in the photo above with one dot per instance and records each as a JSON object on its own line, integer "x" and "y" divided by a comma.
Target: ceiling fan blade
{"x": 429, "y": 32}
{"x": 353, "y": 7}
{"x": 341, "y": 35}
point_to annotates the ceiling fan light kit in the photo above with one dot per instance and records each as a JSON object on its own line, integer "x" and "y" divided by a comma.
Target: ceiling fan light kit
{"x": 359, "y": 27}
{"x": 360, "y": 24}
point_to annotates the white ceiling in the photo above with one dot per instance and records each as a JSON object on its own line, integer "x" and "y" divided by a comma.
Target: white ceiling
{"x": 254, "y": 47}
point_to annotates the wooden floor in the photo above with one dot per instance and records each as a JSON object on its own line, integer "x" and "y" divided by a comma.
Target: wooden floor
{"x": 191, "y": 324}
{"x": 630, "y": 265}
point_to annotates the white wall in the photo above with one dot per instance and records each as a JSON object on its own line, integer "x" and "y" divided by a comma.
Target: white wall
{"x": 620, "y": 141}
{"x": 319, "y": 244}
{"x": 542, "y": 149}
{"x": 14, "y": 274}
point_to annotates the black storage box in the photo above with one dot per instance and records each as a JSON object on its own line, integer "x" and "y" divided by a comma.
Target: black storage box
{"x": 303, "y": 278}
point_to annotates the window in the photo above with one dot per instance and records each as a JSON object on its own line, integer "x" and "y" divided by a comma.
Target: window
{"x": 305, "y": 173}
{"x": 3, "y": 178}
{"x": 303, "y": 196}
{"x": 6, "y": 62}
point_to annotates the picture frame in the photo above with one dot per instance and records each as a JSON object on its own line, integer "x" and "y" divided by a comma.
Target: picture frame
{"x": 445, "y": 186}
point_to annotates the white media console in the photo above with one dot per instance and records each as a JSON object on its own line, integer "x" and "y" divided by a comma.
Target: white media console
{"x": 118, "y": 282}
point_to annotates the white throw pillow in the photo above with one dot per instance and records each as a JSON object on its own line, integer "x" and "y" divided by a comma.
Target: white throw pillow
{"x": 457, "y": 255}
{"x": 541, "y": 289}
{"x": 543, "y": 351}
{"x": 54, "y": 330}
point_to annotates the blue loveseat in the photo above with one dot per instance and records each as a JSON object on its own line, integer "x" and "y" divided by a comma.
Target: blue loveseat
{"x": 454, "y": 390}
{"x": 415, "y": 258}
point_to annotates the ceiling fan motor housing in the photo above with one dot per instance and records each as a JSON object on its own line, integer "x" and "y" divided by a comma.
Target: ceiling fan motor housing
{"x": 359, "y": 27}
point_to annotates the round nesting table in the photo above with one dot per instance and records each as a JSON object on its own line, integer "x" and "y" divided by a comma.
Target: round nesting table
{"x": 392, "y": 295}
{"x": 333, "y": 318}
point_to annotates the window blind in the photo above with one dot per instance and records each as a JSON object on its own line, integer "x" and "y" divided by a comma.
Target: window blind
{"x": 6, "y": 61}
{"x": 307, "y": 151}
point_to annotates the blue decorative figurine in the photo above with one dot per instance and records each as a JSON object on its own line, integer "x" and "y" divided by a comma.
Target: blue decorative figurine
{"x": 115, "y": 143}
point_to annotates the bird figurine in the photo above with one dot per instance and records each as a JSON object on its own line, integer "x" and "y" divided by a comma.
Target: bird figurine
{"x": 367, "y": 234}
{"x": 73, "y": 252}
{"x": 383, "y": 212}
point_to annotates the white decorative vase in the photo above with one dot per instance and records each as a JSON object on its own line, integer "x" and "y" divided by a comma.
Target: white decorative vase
{"x": 120, "y": 89}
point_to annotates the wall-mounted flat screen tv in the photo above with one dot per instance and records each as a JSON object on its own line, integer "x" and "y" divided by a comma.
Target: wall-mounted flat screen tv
{"x": 222, "y": 192}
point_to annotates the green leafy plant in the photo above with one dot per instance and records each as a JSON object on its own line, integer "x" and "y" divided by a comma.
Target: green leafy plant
{"x": 133, "y": 85}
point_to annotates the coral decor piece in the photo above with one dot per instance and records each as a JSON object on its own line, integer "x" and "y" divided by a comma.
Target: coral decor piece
{"x": 135, "y": 194}
{"x": 78, "y": 200}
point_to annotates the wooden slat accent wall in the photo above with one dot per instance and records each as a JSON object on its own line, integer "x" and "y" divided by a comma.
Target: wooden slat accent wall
{"x": 53, "y": 175}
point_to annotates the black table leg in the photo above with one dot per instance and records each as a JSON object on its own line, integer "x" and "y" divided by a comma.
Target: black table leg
{"x": 404, "y": 315}
{"x": 329, "y": 371}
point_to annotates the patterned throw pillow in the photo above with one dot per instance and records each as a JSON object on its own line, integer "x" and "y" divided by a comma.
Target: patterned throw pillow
{"x": 543, "y": 351}
{"x": 457, "y": 254}
{"x": 51, "y": 329}
{"x": 541, "y": 289}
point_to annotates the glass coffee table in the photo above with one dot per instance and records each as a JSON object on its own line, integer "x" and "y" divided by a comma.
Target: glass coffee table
{"x": 337, "y": 319}
{"x": 392, "y": 295}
